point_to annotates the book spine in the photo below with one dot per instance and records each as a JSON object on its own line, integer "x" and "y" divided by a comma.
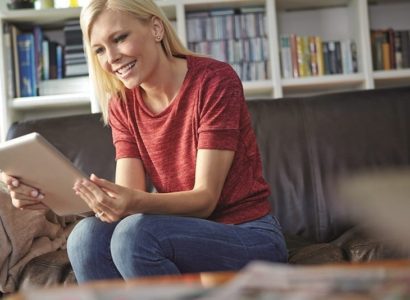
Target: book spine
{"x": 14, "y": 31}
{"x": 314, "y": 69}
{"x": 28, "y": 70}
{"x": 60, "y": 62}
{"x": 286, "y": 57}
{"x": 8, "y": 60}
{"x": 398, "y": 50}
{"x": 294, "y": 52}
{"x": 38, "y": 55}
{"x": 319, "y": 53}
{"x": 355, "y": 61}
{"x": 46, "y": 60}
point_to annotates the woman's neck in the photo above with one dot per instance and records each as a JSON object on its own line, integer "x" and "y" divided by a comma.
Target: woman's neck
{"x": 159, "y": 94}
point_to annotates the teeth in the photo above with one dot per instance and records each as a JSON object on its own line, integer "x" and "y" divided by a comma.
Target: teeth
{"x": 126, "y": 68}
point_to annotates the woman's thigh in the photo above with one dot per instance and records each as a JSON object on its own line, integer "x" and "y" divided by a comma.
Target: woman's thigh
{"x": 197, "y": 245}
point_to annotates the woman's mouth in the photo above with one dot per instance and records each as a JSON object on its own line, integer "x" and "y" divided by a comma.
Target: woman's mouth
{"x": 124, "y": 70}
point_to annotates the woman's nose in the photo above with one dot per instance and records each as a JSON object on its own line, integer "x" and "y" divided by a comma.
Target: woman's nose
{"x": 113, "y": 55}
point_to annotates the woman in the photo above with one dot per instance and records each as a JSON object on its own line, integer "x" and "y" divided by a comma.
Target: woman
{"x": 181, "y": 119}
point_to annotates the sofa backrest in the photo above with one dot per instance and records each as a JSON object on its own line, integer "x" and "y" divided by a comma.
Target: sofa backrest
{"x": 306, "y": 143}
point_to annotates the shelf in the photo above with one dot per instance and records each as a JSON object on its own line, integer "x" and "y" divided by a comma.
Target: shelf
{"x": 323, "y": 81}
{"x": 256, "y": 88}
{"x": 322, "y": 84}
{"x": 55, "y": 16}
{"x": 214, "y": 4}
{"x": 58, "y": 101}
{"x": 290, "y": 5}
{"x": 392, "y": 78}
{"x": 392, "y": 74}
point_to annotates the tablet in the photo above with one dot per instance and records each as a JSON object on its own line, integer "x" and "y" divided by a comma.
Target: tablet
{"x": 37, "y": 163}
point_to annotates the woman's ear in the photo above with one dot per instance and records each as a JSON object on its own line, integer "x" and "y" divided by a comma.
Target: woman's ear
{"x": 157, "y": 28}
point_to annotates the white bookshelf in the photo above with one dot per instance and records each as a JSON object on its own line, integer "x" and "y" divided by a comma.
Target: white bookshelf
{"x": 331, "y": 19}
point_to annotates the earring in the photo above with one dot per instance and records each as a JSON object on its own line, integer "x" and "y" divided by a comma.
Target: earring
{"x": 158, "y": 38}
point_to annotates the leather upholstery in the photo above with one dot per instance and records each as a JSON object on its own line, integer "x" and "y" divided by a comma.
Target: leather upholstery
{"x": 305, "y": 144}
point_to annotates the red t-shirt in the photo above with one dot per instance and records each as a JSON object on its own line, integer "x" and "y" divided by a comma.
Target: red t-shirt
{"x": 209, "y": 112}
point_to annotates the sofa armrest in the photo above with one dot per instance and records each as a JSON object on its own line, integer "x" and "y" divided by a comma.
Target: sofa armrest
{"x": 358, "y": 246}
{"x": 304, "y": 252}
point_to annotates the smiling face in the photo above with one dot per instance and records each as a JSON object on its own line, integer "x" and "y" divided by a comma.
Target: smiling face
{"x": 127, "y": 47}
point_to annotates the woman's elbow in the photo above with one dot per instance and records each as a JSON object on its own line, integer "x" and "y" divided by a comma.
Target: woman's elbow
{"x": 209, "y": 202}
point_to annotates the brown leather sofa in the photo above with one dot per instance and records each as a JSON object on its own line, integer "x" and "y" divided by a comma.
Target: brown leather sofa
{"x": 305, "y": 144}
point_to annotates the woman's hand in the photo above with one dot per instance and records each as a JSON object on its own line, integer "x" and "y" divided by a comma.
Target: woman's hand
{"x": 108, "y": 200}
{"x": 23, "y": 196}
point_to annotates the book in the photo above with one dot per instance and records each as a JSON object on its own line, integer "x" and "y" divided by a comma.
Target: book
{"x": 27, "y": 67}
{"x": 46, "y": 60}
{"x": 314, "y": 67}
{"x": 294, "y": 52}
{"x": 76, "y": 70}
{"x": 38, "y": 54}
{"x": 398, "y": 50}
{"x": 319, "y": 54}
{"x": 8, "y": 60}
{"x": 64, "y": 86}
{"x": 286, "y": 57}
{"x": 14, "y": 32}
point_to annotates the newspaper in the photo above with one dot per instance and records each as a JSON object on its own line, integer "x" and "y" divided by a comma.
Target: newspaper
{"x": 263, "y": 281}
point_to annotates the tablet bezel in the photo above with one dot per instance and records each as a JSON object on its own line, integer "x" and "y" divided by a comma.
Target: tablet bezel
{"x": 37, "y": 163}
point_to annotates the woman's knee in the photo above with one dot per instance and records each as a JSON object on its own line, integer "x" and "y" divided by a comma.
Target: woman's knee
{"x": 79, "y": 235}
{"x": 88, "y": 235}
{"x": 133, "y": 234}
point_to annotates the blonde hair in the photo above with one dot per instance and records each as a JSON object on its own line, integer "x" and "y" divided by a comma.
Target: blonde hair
{"x": 107, "y": 85}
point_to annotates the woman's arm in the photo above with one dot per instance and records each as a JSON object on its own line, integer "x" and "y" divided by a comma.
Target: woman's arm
{"x": 212, "y": 167}
{"x": 124, "y": 198}
{"x": 130, "y": 173}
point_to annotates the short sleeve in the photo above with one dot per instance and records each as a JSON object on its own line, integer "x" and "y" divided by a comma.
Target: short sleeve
{"x": 123, "y": 139}
{"x": 220, "y": 109}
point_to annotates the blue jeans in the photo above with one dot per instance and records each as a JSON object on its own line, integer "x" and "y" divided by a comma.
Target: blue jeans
{"x": 143, "y": 245}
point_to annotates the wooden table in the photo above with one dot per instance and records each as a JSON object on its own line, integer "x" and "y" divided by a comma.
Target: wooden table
{"x": 200, "y": 280}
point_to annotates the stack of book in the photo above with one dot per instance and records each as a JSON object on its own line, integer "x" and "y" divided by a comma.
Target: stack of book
{"x": 304, "y": 56}
{"x": 390, "y": 49}
{"x": 30, "y": 57}
{"x": 75, "y": 60}
{"x": 236, "y": 36}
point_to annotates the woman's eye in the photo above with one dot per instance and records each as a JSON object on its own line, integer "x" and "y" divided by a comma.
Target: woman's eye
{"x": 98, "y": 50}
{"x": 120, "y": 38}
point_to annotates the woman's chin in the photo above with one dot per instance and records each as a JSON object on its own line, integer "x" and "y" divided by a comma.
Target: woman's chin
{"x": 130, "y": 84}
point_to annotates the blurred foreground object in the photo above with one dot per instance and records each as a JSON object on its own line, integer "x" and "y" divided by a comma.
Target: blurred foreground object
{"x": 18, "y": 4}
{"x": 381, "y": 201}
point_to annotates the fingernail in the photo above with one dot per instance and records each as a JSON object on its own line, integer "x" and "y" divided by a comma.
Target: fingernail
{"x": 15, "y": 183}
{"x": 41, "y": 197}
{"x": 34, "y": 193}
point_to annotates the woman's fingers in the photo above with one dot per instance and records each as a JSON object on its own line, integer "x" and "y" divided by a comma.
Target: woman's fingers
{"x": 95, "y": 198}
{"x": 19, "y": 203}
{"x": 21, "y": 194}
{"x": 37, "y": 206}
{"x": 105, "y": 184}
